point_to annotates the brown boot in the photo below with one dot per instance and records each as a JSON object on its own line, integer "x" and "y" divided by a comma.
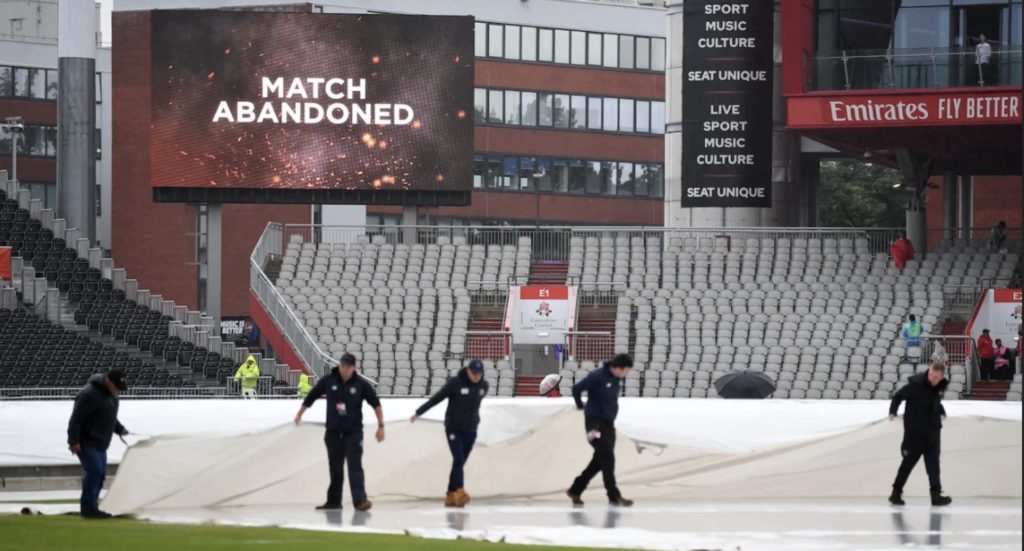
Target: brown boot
{"x": 364, "y": 505}
{"x": 449, "y": 500}
{"x": 461, "y": 497}
{"x": 621, "y": 502}
{"x": 577, "y": 500}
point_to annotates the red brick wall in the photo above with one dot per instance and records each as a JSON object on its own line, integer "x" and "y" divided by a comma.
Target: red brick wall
{"x": 151, "y": 239}
{"x": 569, "y": 144}
{"x": 579, "y": 80}
{"x": 995, "y": 198}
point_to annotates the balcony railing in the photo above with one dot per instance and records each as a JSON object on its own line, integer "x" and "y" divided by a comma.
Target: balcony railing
{"x": 912, "y": 68}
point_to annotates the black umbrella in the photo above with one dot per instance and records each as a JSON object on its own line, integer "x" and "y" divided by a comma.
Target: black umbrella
{"x": 745, "y": 384}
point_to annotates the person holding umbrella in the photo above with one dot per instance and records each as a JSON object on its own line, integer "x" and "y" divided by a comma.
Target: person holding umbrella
{"x": 922, "y": 426}
{"x": 602, "y": 387}
{"x": 464, "y": 392}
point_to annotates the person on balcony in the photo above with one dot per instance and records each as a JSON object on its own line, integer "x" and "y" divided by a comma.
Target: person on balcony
{"x": 1002, "y": 362}
{"x": 247, "y": 376}
{"x": 998, "y": 237}
{"x": 983, "y": 55}
{"x": 987, "y": 353}
{"x": 911, "y": 334}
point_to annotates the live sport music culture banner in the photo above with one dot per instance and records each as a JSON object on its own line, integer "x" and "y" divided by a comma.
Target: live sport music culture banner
{"x": 727, "y": 103}
{"x": 311, "y": 101}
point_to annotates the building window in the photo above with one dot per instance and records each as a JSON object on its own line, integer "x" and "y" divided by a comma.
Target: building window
{"x": 578, "y": 112}
{"x": 546, "y": 45}
{"x": 53, "y": 84}
{"x": 657, "y": 54}
{"x": 561, "y": 111}
{"x": 626, "y": 52}
{"x": 479, "y": 105}
{"x": 545, "y": 111}
{"x": 529, "y": 108}
{"x": 480, "y": 39}
{"x": 511, "y": 42}
{"x": 594, "y": 48}
{"x": 594, "y": 113}
{"x": 626, "y": 115}
{"x": 6, "y": 81}
{"x": 611, "y": 114}
{"x": 611, "y": 50}
{"x": 643, "y": 116}
{"x": 574, "y": 176}
{"x": 495, "y": 104}
{"x": 202, "y": 219}
{"x": 511, "y": 107}
{"x": 46, "y": 191}
{"x": 495, "y": 41}
{"x": 561, "y": 46}
{"x": 579, "y": 48}
{"x": 643, "y": 53}
{"x": 529, "y": 44}
{"x": 657, "y": 117}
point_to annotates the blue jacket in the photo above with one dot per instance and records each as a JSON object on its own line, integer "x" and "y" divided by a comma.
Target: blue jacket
{"x": 344, "y": 400}
{"x": 602, "y": 390}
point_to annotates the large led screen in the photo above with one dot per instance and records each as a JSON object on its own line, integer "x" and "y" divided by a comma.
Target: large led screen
{"x": 288, "y": 101}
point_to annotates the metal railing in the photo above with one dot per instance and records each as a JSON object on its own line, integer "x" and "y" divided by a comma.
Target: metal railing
{"x": 555, "y": 242}
{"x": 262, "y": 385}
{"x": 313, "y": 358}
{"x": 978, "y": 239}
{"x": 588, "y": 345}
{"x": 958, "y": 350}
{"x": 912, "y": 68}
{"x": 489, "y": 345}
{"x": 179, "y": 393}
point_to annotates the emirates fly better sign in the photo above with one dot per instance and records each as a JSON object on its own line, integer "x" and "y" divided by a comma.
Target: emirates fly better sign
{"x": 727, "y": 103}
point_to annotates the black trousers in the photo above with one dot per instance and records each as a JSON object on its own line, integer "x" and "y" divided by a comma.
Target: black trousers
{"x": 911, "y": 455}
{"x": 341, "y": 447}
{"x": 988, "y": 366}
{"x": 601, "y": 435}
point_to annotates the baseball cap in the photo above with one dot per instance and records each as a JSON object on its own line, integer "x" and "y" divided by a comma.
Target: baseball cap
{"x": 984, "y": 330}
{"x": 348, "y": 359}
{"x": 476, "y": 366}
{"x": 118, "y": 377}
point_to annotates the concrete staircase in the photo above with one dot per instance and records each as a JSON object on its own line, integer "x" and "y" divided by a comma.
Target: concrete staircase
{"x": 548, "y": 272}
{"x": 67, "y": 320}
{"x": 528, "y": 385}
{"x": 989, "y": 390}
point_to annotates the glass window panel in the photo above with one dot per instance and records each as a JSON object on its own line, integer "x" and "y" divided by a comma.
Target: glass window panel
{"x": 511, "y": 42}
{"x": 611, "y": 50}
{"x": 641, "y": 180}
{"x": 577, "y": 176}
{"x": 561, "y": 46}
{"x": 922, "y": 28}
{"x": 611, "y": 114}
{"x": 495, "y": 41}
{"x": 38, "y": 143}
{"x": 596, "y": 176}
{"x": 578, "y": 112}
{"x": 6, "y": 81}
{"x": 594, "y": 113}
{"x": 643, "y": 53}
{"x": 560, "y": 176}
{"x": 479, "y": 105}
{"x": 656, "y": 182}
{"x": 529, "y": 44}
{"x": 544, "y": 175}
{"x": 38, "y": 78}
{"x": 52, "y": 85}
{"x": 25, "y": 140}
{"x": 545, "y": 112}
{"x": 579, "y": 48}
{"x": 561, "y": 111}
{"x": 594, "y": 48}
{"x": 658, "y": 54}
{"x": 51, "y": 141}
{"x": 22, "y": 85}
{"x": 546, "y": 45}
{"x": 626, "y": 51}
{"x": 624, "y": 179}
{"x": 626, "y": 115}
{"x": 657, "y": 117}
{"x": 492, "y": 178}
{"x": 529, "y": 109}
{"x": 643, "y": 116}
{"x": 495, "y": 104}
{"x": 479, "y": 171}
{"x": 480, "y": 39}
{"x": 527, "y": 170}
{"x": 509, "y": 172}
{"x": 511, "y": 107}
{"x": 99, "y": 89}
{"x": 5, "y": 144}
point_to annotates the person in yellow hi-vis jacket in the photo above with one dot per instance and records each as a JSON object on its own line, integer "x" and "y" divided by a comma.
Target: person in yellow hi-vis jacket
{"x": 248, "y": 374}
{"x": 304, "y": 386}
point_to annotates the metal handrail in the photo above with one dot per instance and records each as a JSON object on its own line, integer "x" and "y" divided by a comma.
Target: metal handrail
{"x": 909, "y": 53}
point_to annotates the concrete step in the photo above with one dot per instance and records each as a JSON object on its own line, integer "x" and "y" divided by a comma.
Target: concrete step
{"x": 528, "y": 385}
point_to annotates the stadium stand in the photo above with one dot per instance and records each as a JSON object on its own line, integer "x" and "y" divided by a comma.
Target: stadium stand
{"x": 821, "y": 316}
{"x": 83, "y": 319}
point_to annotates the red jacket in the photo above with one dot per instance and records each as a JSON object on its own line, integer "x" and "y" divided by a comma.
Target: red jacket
{"x": 907, "y": 246}
{"x": 985, "y": 348}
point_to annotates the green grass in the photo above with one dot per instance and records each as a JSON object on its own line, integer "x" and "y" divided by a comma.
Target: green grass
{"x": 56, "y": 533}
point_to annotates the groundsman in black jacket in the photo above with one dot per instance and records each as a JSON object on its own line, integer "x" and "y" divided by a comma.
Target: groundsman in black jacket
{"x": 93, "y": 423}
{"x": 922, "y": 427}
{"x": 464, "y": 393}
